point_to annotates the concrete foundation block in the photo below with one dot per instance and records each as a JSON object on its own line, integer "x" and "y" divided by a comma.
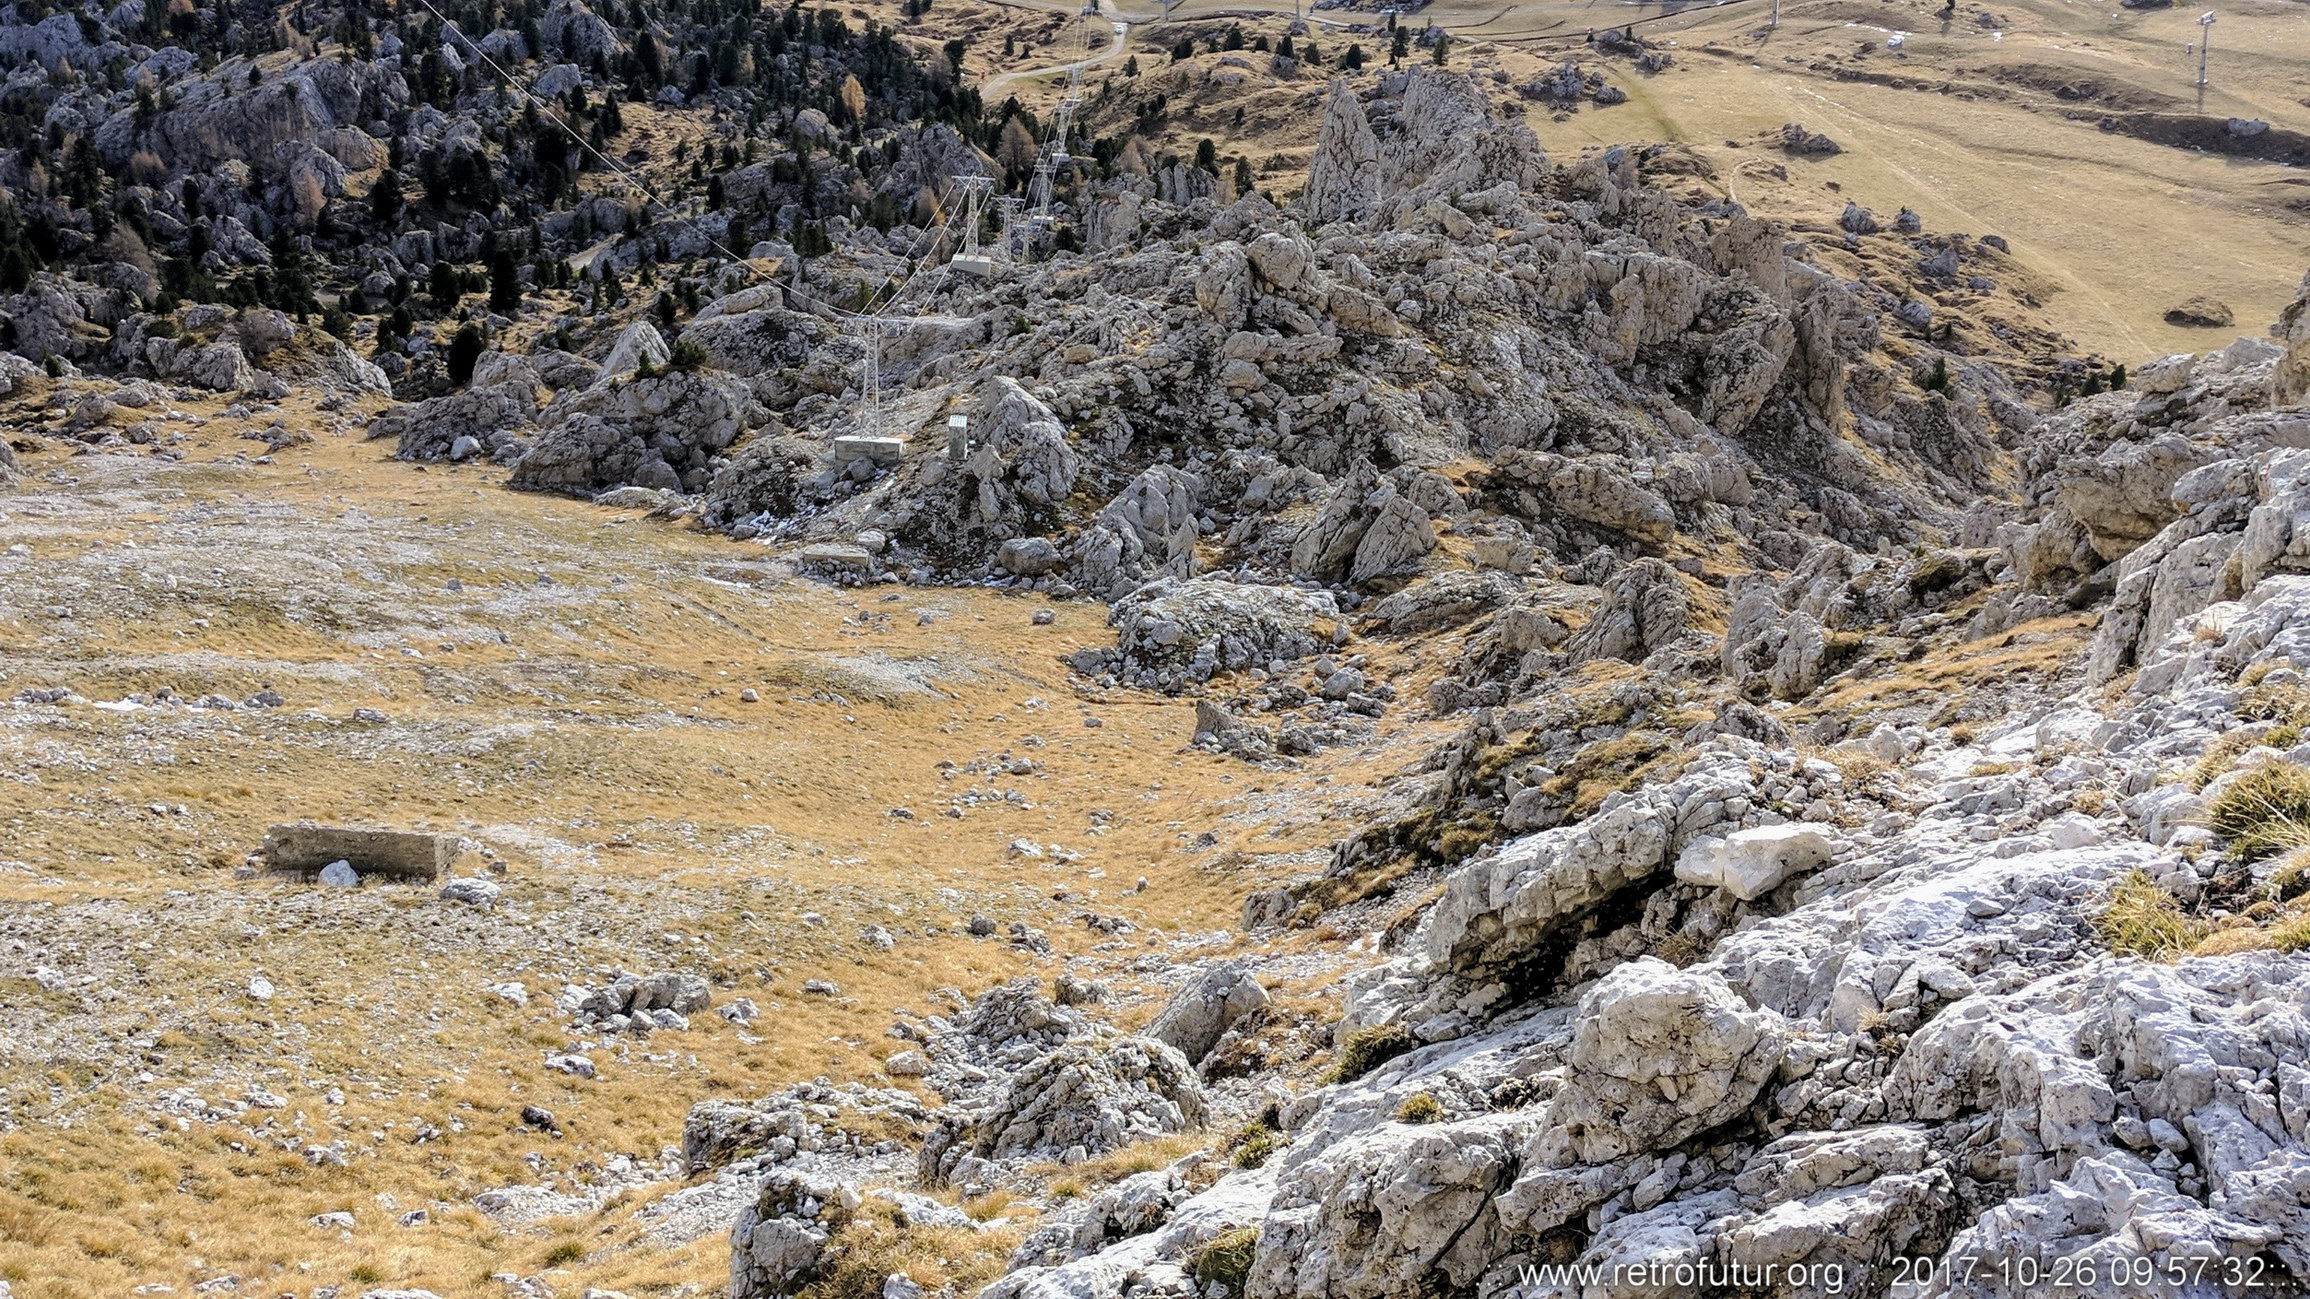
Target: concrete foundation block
{"x": 394, "y": 854}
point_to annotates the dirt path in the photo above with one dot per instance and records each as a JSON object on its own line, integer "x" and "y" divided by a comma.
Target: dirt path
{"x": 995, "y": 88}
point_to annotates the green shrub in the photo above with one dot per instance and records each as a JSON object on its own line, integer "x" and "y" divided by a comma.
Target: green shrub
{"x": 1420, "y": 1107}
{"x": 2264, "y": 812}
{"x": 1367, "y": 1049}
{"x": 1225, "y": 1259}
{"x": 465, "y": 349}
{"x": 2143, "y": 920}
{"x": 687, "y": 354}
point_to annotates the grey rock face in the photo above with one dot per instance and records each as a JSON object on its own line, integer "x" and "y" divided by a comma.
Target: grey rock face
{"x": 577, "y": 33}
{"x": 1148, "y": 530}
{"x": 2244, "y": 520}
{"x": 1023, "y": 464}
{"x": 51, "y": 317}
{"x": 2290, "y": 380}
{"x": 218, "y": 367}
{"x": 1029, "y": 556}
{"x": 1231, "y": 735}
{"x": 751, "y": 331}
{"x": 779, "y": 1239}
{"x": 1659, "y": 1055}
{"x": 1794, "y": 138}
{"x": 1221, "y": 999}
{"x": 2104, "y": 471}
{"x": 1778, "y": 634}
{"x": 495, "y": 419}
{"x": 1084, "y": 1098}
{"x": 1343, "y": 173}
{"x": 629, "y": 1000}
{"x": 803, "y": 1122}
{"x": 662, "y": 432}
{"x": 472, "y": 892}
{"x": 1171, "y": 633}
{"x": 1599, "y": 490}
{"x": 1646, "y": 609}
{"x": 1428, "y": 1191}
{"x": 1367, "y": 529}
{"x": 1207, "y": 382}
{"x": 637, "y": 345}
{"x": 1493, "y": 910}
{"x": 211, "y": 123}
{"x": 1919, "y": 1046}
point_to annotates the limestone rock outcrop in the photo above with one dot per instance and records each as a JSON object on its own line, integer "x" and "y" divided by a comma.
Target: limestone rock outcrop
{"x": 1221, "y": 999}
{"x": 491, "y": 421}
{"x": 2290, "y": 382}
{"x": 1367, "y": 529}
{"x": 1172, "y": 633}
{"x": 1659, "y": 1054}
{"x": 1646, "y": 608}
{"x": 1021, "y": 466}
{"x": 1343, "y": 175}
{"x": 665, "y": 431}
{"x": 1083, "y": 1099}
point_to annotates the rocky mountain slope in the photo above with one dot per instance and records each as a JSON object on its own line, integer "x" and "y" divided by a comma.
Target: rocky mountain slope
{"x": 1867, "y": 1012}
{"x": 1822, "y": 797}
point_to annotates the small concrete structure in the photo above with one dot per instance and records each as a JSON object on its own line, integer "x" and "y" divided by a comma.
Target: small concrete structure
{"x": 978, "y": 264}
{"x": 835, "y": 554}
{"x": 882, "y": 451}
{"x": 398, "y": 854}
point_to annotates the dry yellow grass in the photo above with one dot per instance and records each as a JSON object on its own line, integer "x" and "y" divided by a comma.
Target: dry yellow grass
{"x": 2141, "y": 919}
{"x": 2039, "y": 649}
{"x": 602, "y": 750}
{"x": 1139, "y": 1157}
{"x": 2265, "y": 811}
{"x": 1857, "y": 765}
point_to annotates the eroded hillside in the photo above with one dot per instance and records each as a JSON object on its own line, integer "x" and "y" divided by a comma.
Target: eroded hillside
{"x": 1388, "y": 690}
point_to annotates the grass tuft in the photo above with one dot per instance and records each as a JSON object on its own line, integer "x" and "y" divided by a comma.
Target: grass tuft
{"x": 1367, "y": 1049}
{"x": 2286, "y": 705}
{"x": 1857, "y": 765}
{"x": 1420, "y": 1107}
{"x": 2264, "y": 812}
{"x": 1108, "y": 1169}
{"x": 2292, "y": 934}
{"x": 2144, "y": 920}
{"x": 1256, "y": 1144}
{"x": 1225, "y": 1259}
{"x": 869, "y": 1249}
